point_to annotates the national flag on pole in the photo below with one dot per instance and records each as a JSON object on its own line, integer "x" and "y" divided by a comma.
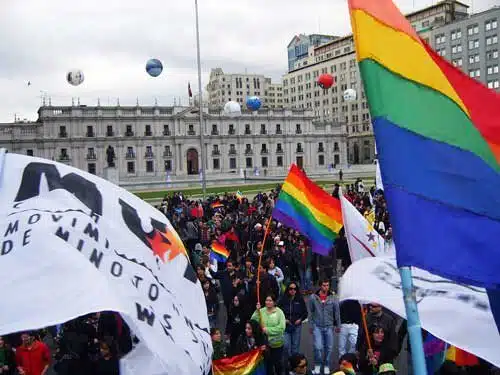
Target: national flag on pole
{"x": 362, "y": 238}
{"x": 190, "y": 93}
{"x": 74, "y": 243}
{"x": 307, "y": 208}
{"x": 249, "y": 363}
{"x": 438, "y": 142}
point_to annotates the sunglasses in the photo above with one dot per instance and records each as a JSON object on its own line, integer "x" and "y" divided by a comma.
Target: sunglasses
{"x": 292, "y": 288}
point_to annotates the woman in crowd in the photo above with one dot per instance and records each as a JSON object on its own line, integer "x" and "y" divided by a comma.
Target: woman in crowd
{"x": 237, "y": 316}
{"x": 212, "y": 302}
{"x": 381, "y": 351}
{"x": 107, "y": 364}
{"x": 273, "y": 324}
{"x": 252, "y": 338}
{"x": 7, "y": 359}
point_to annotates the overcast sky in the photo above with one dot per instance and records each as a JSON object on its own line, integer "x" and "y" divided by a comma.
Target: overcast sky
{"x": 111, "y": 40}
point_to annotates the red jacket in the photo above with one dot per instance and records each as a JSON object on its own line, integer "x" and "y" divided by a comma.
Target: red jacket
{"x": 33, "y": 360}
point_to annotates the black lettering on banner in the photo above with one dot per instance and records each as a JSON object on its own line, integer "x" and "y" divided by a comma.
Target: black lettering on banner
{"x": 56, "y": 218}
{"x": 154, "y": 291}
{"x": 26, "y": 237}
{"x": 80, "y": 245}
{"x": 190, "y": 325}
{"x": 84, "y": 190}
{"x": 12, "y": 228}
{"x": 73, "y": 223}
{"x": 116, "y": 269}
{"x": 143, "y": 314}
{"x": 92, "y": 232}
{"x": 61, "y": 233}
{"x": 7, "y": 247}
{"x": 135, "y": 281}
{"x": 94, "y": 216}
{"x": 31, "y": 219}
{"x": 167, "y": 327}
{"x": 174, "y": 306}
{"x": 481, "y": 306}
{"x": 96, "y": 258}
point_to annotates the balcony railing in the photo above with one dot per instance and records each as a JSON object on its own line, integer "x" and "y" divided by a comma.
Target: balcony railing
{"x": 166, "y": 132}
{"x": 129, "y": 134}
{"x": 90, "y": 134}
{"x": 110, "y": 133}
{"x": 248, "y": 151}
{"x": 231, "y": 132}
{"x": 247, "y": 132}
{"x": 214, "y": 132}
{"x": 215, "y": 152}
{"x": 149, "y": 155}
{"x": 130, "y": 155}
{"x": 232, "y": 152}
{"x": 63, "y": 135}
{"x": 278, "y": 131}
{"x": 167, "y": 154}
{"x": 298, "y": 131}
{"x": 63, "y": 157}
{"x": 148, "y": 134}
{"x": 263, "y": 131}
{"x": 264, "y": 151}
{"x": 299, "y": 151}
{"x": 279, "y": 150}
{"x": 191, "y": 132}
{"x": 91, "y": 156}
{"x": 321, "y": 149}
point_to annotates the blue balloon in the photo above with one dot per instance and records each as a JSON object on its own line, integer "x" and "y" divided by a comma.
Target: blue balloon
{"x": 154, "y": 67}
{"x": 254, "y": 103}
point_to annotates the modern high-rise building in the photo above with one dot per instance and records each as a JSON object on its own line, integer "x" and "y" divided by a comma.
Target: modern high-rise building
{"x": 224, "y": 87}
{"x": 435, "y": 24}
{"x": 298, "y": 48}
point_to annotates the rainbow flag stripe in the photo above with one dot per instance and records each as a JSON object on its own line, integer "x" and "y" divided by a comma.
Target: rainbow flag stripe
{"x": 219, "y": 252}
{"x": 305, "y": 207}
{"x": 250, "y": 363}
{"x": 216, "y": 205}
{"x": 461, "y": 357}
{"x": 438, "y": 143}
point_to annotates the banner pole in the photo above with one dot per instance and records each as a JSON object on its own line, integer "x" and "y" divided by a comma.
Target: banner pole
{"x": 413, "y": 319}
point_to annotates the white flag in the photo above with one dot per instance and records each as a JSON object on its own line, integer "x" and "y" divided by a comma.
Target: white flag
{"x": 362, "y": 238}
{"x": 73, "y": 243}
{"x": 378, "y": 178}
{"x": 457, "y": 314}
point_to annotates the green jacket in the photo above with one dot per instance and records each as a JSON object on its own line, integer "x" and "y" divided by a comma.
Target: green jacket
{"x": 219, "y": 350}
{"x": 275, "y": 325}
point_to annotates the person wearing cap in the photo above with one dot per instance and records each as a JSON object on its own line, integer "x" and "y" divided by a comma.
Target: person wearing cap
{"x": 386, "y": 369}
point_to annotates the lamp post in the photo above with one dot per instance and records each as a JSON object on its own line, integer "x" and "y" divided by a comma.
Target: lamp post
{"x": 200, "y": 106}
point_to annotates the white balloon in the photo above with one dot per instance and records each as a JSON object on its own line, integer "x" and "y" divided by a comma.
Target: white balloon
{"x": 75, "y": 77}
{"x": 350, "y": 95}
{"x": 232, "y": 109}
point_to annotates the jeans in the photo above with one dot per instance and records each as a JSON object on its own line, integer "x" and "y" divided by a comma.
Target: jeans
{"x": 305, "y": 278}
{"x": 347, "y": 338}
{"x": 323, "y": 346}
{"x": 292, "y": 340}
{"x": 274, "y": 361}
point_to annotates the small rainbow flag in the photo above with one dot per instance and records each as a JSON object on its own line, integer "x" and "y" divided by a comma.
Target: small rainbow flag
{"x": 461, "y": 357}
{"x": 307, "y": 208}
{"x": 249, "y": 363}
{"x": 239, "y": 196}
{"x": 219, "y": 252}
{"x": 216, "y": 205}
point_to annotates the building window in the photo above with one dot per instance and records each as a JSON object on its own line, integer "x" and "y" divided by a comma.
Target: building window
{"x": 456, "y": 49}
{"x": 491, "y": 40}
{"x": 264, "y": 162}
{"x": 473, "y": 44}
{"x": 457, "y": 62}
{"x": 457, "y": 34}
{"x": 109, "y": 131}
{"x": 147, "y": 131}
{"x": 62, "y": 132}
{"x": 191, "y": 129}
{"x": 129, "y": 133}
{"x": 248, "y": 162}
{"x": 336, "y": 159}
{"x": 130, "y": 167}
{"x": 248, "y": 148}
{"x": 247, "y": 129}
{"x": 441, "y": 38}
{"x": 215, "y": 131}
{"x": 150, "y": 167}
{"x": 475, "y": 73}
{"x": 279, "y": 161}
{"x": 298, "y": 129}
{"x": 336, "y": 146}
{"x": 168, "y": 165}
{"x": 263, "y": 149}
{"x": 279, "y": 147}
{"x": 493, "y": 84}
{"x": 263, "y": 129}
{"x": 493, "y": 54}
{"x": 64, "y": 154}
{"x": 321, "y": 159}
{"x": 130, "y": 153}
{"x": 216, "y": 163}
{"x": 29, "y": 152}
{"x": 231, "y": 129}
{"x": 278, "y": 128}
{"x": 166, "y": 151}
{"x": 215, "y": 150}
{"x": 492, "y": 69}
{"x": 320, "y": 147}
{"x": 91, "y": 154}
{"x": 472, "y": 30}
{"x": 232, "y": 163}
{"x": 166, "y": 130}
{"x": 149, "y": 152}
{"x": 90, "y": 131}
{"x": 299, "y": 147}
{"x": 490, "y": 25}
{"x": 91, "y": 168}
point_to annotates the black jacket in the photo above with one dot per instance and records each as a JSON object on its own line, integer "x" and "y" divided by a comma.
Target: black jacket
{"x": 294, "y": 309}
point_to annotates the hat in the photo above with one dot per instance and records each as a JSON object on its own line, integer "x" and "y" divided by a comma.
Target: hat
{"x": 258, "y": 225}
{"x": 281, "y": 243}
{"x": 386, "y": 367}
{"x": 198, "y": 247}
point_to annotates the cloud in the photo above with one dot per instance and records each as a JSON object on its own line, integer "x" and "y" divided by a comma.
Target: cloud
{"x": 111, "y": 40}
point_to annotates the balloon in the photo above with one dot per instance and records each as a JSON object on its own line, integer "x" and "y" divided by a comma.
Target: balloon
{"x": 253, "y": 103}
{"x": 350, "y": 95}
{"x": 325, "y": 81}
{"x": 75, "y": 77}
{"x": 232, "y": 109}
{"x": 154, "y": 67}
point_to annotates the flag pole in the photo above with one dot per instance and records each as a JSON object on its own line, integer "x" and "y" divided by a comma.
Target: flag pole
{"x": 268, "y": 225}
{"x": 200, "y": 103}
{"x": 413, "y": 319}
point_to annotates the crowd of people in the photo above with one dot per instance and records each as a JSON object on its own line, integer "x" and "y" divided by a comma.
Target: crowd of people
{"x": 253, "y": 302}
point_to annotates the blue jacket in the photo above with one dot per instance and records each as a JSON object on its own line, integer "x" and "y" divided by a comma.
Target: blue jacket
{"x": 323, "y": 315}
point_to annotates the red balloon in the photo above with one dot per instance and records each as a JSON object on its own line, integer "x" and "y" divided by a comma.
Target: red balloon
{"x": 325, "y": 81}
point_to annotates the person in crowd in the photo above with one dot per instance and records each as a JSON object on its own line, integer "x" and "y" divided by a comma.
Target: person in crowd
{"x": 212, "y": 302}
{"x": 298, "y": 364}
{"x": 219, "y": 346}
{"x": 380, "y": 351}
{"x": 294, "y": 307}
{"x": 107, "y": 364}
{"x": 7, "y": 359}
{"x": 226, "y": 278}
{"x": 268, "y": 284}
{"x": 386, "y": 369}
{"x": 377, "y": 316}
{"x": 349, "y": 363}
{"x": 237, "y": 316}
{"x": 252, "y": 338}
{"x": 275, "y": 271}
{"x": 322, "y": 317}
{"x": 305, "y": 266}
{"x": 273, "y": 324}
{"x": 350, "y": 321}
{"x": 33, "y": 356}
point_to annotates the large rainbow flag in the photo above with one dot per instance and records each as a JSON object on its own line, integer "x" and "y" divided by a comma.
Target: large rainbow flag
{"x": 438, "y": 141}
{"x": 250, "y": 363}
{"x": 305, "y": 207}
{"x": 219, "y": 252}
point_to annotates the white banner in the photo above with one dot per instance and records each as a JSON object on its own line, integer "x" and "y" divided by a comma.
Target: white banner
{"x": 72, "y": 243}
{"x": 378, "y": 178}
{"x": 457, "y": 314}
{"x": 362, "y": 238}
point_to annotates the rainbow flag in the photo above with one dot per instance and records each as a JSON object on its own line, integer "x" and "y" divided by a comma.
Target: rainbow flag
{"x": 305, "y": 207}
{"x": 438, "y": 142}
{"x": 216, "y": 205}
{"x": 249, "y": 363}
{"x": 239, "y": 196}
{"x": 219, "y": 252}
{"x": 461, "y": 357}
{"x": 434, "y": 351}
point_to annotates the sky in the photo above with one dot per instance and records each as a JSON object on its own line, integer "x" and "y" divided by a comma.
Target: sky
{"x": 110, "y": 41}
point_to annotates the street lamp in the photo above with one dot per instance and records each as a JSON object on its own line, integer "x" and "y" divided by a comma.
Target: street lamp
{"x": 200, "y": 104}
